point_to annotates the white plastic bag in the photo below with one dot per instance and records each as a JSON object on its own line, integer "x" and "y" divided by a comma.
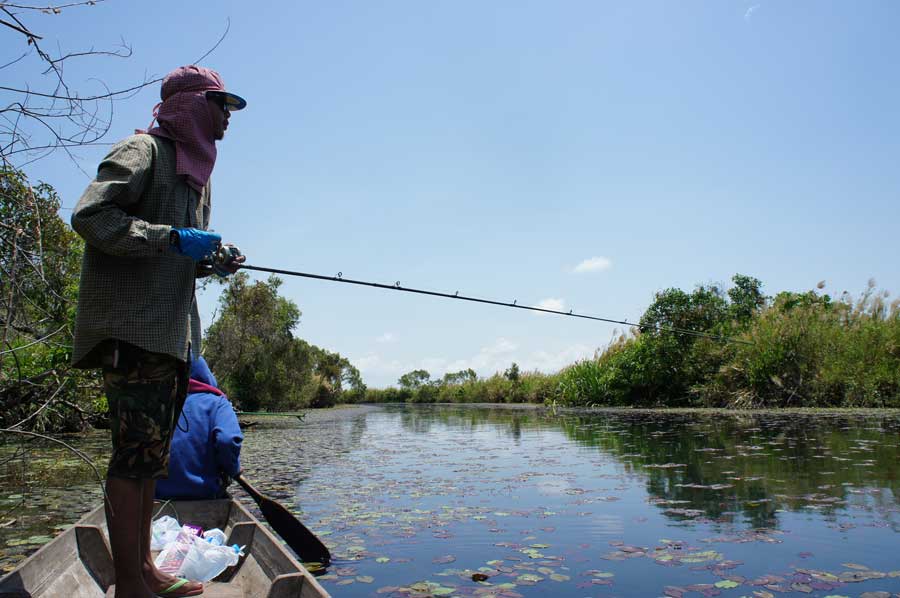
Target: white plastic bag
{"x": 206, "y": 560}
{"x": 174, "y": 552}
{"x": 172, "y": 556}
{"x": 163, "y": 531}
{"x": 215, "y": 536}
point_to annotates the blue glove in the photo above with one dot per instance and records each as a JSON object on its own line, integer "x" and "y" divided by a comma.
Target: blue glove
{"x": 195, "y": 243}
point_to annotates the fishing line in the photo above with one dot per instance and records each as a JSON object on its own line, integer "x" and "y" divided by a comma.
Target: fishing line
{"x": 571, "y": 313}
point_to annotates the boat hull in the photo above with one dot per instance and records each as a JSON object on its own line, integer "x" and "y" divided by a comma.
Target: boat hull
{"x": 78, "y": 562}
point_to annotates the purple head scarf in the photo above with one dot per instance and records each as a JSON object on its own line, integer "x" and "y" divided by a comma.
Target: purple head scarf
{"x": 184, "y": 117}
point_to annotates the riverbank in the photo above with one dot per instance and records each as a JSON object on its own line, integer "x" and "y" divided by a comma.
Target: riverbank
{"x": 734, "y": 349}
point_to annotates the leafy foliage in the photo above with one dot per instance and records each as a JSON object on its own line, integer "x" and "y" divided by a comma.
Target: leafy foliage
{"x": 513, "y": 374}
{"x": 40, "y": 260}
{"x": 261, "y": 364}
{"x": 796, "y": 349}
{"x": 414, "y": 379}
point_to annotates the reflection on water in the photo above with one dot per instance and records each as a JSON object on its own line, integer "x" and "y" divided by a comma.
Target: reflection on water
{"x": 44, "y": 488}
{"x": 419, "y": 500}
{"x": 752, "y": 466}
{"x": 610, "y": 504}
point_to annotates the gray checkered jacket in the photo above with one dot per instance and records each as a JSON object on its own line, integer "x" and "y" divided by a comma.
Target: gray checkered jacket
{"x": 135, "y": 288}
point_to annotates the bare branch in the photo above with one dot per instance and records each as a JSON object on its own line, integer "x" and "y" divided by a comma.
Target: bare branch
{"x": 44, "y": 406}
{"x": 53, "y": 8}
{"x": 211, "y": 50}
{"x": 106, "y": 96}
{"x": 12, "y": 279}
{"x": 14, "y": 61}
{"x": 125, "y": 52}
{"x": 38, "y": 341}
{"x": 21, "y": 30}
{"x": 60, "y": 117}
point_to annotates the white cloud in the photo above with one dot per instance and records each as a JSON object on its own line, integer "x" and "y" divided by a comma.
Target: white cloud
{"x": 488, "y": 359}
{"x": 594, "y": 264}
{"x": 551, "y": 303}
{"x": 553, "y": 361}
{"x": 378, "y": 366}
{"x": 750, "y": 11}
{"x": 501, "y": 346}
{"x": 387, "y": 337}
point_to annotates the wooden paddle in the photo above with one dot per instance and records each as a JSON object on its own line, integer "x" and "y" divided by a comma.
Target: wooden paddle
{"x": 302, "y": 541}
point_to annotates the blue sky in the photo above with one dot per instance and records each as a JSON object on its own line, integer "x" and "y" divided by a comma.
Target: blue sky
{"x": 492, "y": 147}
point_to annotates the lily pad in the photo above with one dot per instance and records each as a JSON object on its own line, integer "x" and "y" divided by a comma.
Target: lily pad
{"x": 726, "y": 584}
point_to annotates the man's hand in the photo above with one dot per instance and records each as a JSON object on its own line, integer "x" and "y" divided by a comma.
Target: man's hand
{"x": 228, "y": 260}
{"x": 194, "y": 243}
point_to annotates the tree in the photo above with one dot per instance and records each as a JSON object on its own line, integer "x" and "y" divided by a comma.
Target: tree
{"x": 673, "y": 311}
{"x": 261, "y": 363}
{"x": 414, "y": 380}
{"x": 251, "y": 345}
{"x": 333, "y": 371}
{"x": 356, "y": 390}
{"x": 746, "y": 298}
{"x": 512, "y": 373}
{"x": 36, "y": 121}
{"x": 662, "y": 365}
{"x": 40, "y": 259}
{"x": 460, "y": 377}
{"x": 60, "y": 114}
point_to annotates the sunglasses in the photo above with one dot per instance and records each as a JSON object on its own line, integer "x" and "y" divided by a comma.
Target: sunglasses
{"x": 219, "y": 100}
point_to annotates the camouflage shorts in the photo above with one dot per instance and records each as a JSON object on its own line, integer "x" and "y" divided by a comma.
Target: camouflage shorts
{"x": 145, "y": 392}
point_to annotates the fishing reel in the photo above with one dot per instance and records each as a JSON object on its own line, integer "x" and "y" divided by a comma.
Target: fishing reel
{"x": 219, "y": 261}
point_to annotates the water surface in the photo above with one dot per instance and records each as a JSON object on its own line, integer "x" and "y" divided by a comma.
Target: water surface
{"x": 418, "y": 500}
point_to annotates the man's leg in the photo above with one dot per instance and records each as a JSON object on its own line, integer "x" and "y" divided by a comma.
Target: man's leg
{"x": 123, "y": 519}
{"x": 142, "y": 390}
{"x": 155, "y": 579}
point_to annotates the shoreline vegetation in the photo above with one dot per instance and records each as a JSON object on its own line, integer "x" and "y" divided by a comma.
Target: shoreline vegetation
{"x": 794, "y": 350}
{"x": 787, "y": 350}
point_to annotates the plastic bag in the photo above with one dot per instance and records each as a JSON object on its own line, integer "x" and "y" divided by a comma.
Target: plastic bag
{"x": 215, "y": 536}
{"x": 206, "y": 560}
{"x": 163, "y": 531}
{"x": 172, "y": 556}
{"x": 175, "y": 551}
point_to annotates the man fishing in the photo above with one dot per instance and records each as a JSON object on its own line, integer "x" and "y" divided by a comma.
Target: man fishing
{"x": 144, "y": 221}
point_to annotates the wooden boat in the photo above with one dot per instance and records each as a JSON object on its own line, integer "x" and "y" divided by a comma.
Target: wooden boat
{"x": 78, "y": 563}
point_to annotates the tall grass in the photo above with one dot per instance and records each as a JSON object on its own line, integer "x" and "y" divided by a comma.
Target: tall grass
{"x": 815, "y": 352}
{"x": 797, "y": 350}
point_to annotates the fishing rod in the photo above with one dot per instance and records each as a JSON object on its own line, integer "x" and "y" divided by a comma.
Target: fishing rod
{"x": 571, "y": 313}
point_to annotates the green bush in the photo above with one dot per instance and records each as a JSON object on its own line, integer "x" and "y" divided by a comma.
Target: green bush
{"x": 40, "y": 263}
{"x": 793, "y": 350}
{"x": 810, "y": 351}
{"x": 259, "y": 361}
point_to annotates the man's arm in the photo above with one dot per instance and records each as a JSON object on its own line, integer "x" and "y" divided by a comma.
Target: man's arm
{"x": 100, "y": 216}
